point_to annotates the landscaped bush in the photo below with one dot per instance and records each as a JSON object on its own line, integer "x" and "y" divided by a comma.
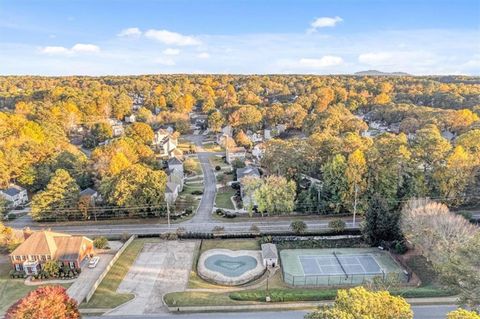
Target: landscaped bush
{"x": 219, "y": 212}
{"x": 51, "y": 268}
{"x": 337, "y": 225}
{"x": 293, "y": 242}
{"x": 282, "y": 295}
{"x": 100, "y": 242}
{"x": 230, "y": 214}
{"x": 17, "y": 274}
{"x": 298, "y": 226}
{"x": 217, "y": 168}
{"x": 235, "y": 185}
{"x": 124, "y": 237}
{"x": 197, "y": 192}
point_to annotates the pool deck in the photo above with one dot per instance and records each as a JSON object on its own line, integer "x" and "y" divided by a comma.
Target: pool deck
{"x": 222, "y": 279}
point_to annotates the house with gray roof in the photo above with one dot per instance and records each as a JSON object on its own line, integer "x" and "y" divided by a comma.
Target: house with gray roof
{"x": 15, "y": 195}
{"x": 241, "y": 174}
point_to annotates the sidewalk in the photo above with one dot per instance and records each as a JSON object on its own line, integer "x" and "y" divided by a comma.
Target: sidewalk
{"x": 301, "y": 305}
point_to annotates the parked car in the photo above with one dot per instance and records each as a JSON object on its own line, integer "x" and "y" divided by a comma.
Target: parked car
{"x": 93, "y": 262}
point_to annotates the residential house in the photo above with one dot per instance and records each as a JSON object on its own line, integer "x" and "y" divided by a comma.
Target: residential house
{"x": 267, "y": 134}
{"x": 269, "y": 255}
{"x": 258, "y": 151}
{"x": 165, "y": 143}
{"x": 233, "y": 153}
{"x": 15, "y": 195}
{"x": 42, "y": 246}
{"x": 130, "y": 119}
{"x": 255, "y": 137}
{"x": 90, "y": 194}
{"x": 224, "y": 135}
{"x": 171, "y": 192}
{"x": 117, "y": 127}
{"x": 241, "y": 174}
{"x": 175, "y": 172}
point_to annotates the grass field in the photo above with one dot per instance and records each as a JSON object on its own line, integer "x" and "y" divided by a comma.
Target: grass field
{"x": 12, "y": 289}
{"x": 106, "y": 295}
{"x": 222, "y": 199}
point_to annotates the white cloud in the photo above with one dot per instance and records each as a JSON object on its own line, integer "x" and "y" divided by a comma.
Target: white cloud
{"x": 324, "y": 22}
{"x": 130, "y": 33}
{"x": 203, "y": 55}
{"x": 85, "y": 48}
{"x": 172, "y": 38}
{"x": 170, "y": 51}
{"x": 77, "y": 48}
{"x": 392, "y": 58}
{"x": 324, "y": 62}
{"x": 164, "y": 61}
{"x": 55, "y": 50}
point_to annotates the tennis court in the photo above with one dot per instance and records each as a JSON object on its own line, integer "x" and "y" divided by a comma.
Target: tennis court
{"x": 345, "y": 266}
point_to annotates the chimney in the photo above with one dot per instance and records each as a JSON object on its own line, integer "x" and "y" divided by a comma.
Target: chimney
{"x": 26, "y": 232}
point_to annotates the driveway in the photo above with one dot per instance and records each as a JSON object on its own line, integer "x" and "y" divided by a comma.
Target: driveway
{"x": 82, "y": 285}
{"x": 160, "y": 268}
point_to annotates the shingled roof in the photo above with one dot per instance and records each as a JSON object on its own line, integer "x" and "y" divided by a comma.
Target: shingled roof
{"x": 59, "y": 246}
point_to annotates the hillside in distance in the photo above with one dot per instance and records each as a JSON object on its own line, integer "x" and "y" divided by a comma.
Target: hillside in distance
{"x": 376, "y": 72}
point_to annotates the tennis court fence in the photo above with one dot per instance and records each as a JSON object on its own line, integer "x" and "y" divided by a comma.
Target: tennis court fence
{"x": 338, "y": 280}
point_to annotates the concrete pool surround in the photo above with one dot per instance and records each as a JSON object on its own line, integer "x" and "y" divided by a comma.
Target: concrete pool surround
{"x": 229, "y": 267}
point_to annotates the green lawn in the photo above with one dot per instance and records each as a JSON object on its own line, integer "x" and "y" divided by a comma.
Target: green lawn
{"x": 194, "y": 298}
{"x": 106, "y": 295}
{"x": 232, "y": 244}
{"x": 222, "y": 199}
{"x": 12, "y": 289}
{"x": 188, "y": 189}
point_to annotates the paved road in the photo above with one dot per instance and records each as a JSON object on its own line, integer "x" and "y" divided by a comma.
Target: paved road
{"x": 421, "y": 312}
{"x": 139, "y": 229}
{"x": 203, "y": 220}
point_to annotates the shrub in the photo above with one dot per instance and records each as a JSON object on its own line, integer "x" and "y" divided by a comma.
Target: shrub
{"x": 399, "y": 247}
{"x": 337, "y": 225}
{"x": 230, "y": 214}
{"x": 298, "y": 226}
{"x": 100, "y": 242}
{"x": 219, "y": 212}
{"x": 11, "y": 216}
{"x": 217, "y": 168}
{"x": 254, "y": 229}
{"x": 51, "y": 268}
{"x": 218, "y": 229}
{"x": 197, "y": 192}
{"x": 124, "y": 237}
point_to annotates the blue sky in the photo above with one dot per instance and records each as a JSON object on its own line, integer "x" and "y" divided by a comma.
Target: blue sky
{"x": 239, "y": 36}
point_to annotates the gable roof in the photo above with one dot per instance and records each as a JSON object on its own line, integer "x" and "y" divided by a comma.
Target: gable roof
{"x": 171, "y": 187}
{"x": 88, "y": 192}
{"x": 174, "y": 161}
{"x": 12, "y": 190}
{"x": 269, "y": 251}
{"x": 247, "y": 171}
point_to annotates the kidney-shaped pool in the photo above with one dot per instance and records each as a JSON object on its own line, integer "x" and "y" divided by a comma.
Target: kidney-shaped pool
{"x": 229, "y": 267}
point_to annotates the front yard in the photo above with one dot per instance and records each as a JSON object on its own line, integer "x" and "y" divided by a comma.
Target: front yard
{"x": 12, "y": 289}
{"x": 223, "y": 198}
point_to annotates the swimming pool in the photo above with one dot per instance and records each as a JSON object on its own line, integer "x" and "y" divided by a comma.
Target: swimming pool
{"x": 228, "y": 267}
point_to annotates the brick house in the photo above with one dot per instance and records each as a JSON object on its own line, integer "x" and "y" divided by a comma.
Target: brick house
{"x": 42, "y": 246}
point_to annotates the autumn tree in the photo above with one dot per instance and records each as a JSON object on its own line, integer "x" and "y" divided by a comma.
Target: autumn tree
{"x": 45, "y": 302}
{"x": 247, "y": 116}
{"x": 100, "y": 132}
{"x": 359, "y": 303}
{"x": 215, "y": 121}
{"x": 276, "y": 195}
{"x": 138, "y": 187}
{"x": 463, "y": 314}
{"x": 242, "y": 139}
{"x": 58, "y": 199}
{"x": 335, "y": 188}
{"x": 140, "y": 132}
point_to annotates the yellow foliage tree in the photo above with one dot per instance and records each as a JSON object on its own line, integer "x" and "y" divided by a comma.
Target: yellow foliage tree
{"x": 359, "y": 303}
{"x": 463, "y": 314}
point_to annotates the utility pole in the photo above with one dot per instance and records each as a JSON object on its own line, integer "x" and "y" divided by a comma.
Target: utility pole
{"x": 168, "y": 214}
{"x": 355, "y": 205}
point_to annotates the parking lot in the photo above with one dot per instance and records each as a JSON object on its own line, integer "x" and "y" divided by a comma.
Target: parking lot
{"x": 160, "y": 268}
